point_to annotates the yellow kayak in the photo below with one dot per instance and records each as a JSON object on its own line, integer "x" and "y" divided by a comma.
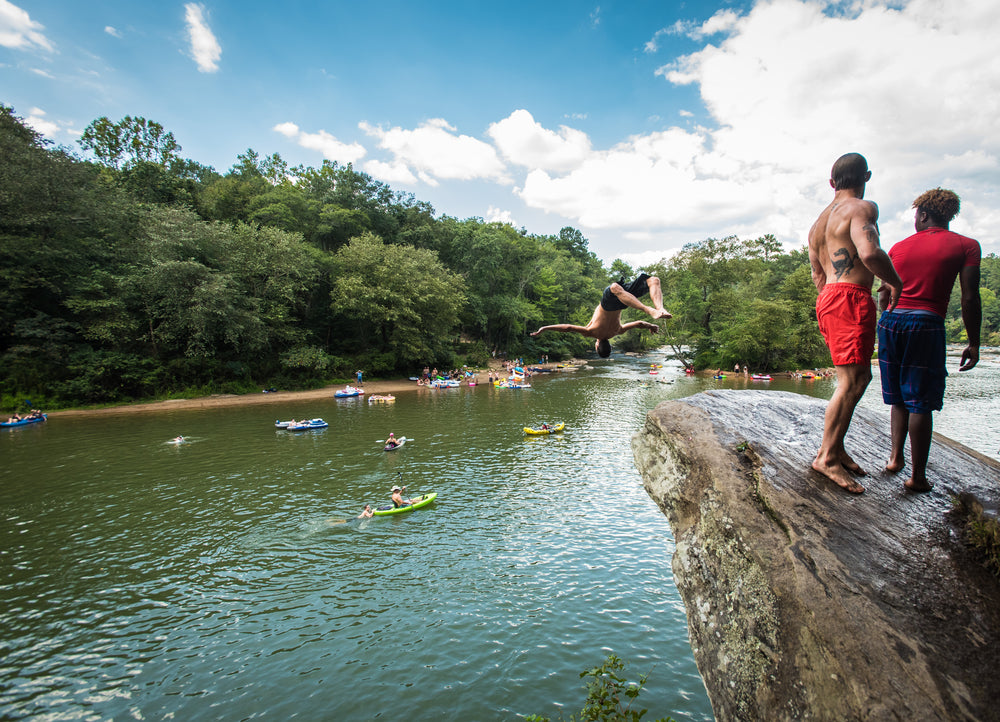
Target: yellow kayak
{"x": 542, "y": 431}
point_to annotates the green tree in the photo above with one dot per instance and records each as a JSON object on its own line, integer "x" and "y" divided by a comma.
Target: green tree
{"x": 129, "y": 141}
{"x": 54, "y": 221}
{"x": 399, "y": 306}
{"x": 742, "y": 302}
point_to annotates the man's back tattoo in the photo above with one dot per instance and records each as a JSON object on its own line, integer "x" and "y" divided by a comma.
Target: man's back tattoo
{"x": 845, "y": 264}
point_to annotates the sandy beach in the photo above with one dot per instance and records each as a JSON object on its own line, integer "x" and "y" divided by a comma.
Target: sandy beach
{"x": 391, "y": 386}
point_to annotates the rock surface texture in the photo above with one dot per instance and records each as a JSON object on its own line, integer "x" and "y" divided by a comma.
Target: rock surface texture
{"x": 805, "y": 602}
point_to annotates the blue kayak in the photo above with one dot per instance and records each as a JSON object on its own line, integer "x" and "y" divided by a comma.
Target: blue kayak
{"x": 23, "y": 422}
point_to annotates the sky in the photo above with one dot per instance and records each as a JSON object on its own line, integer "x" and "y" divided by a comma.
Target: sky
{"x": 645, "y": 125}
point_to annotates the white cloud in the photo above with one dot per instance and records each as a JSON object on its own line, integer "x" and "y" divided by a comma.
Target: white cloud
{"x": 326, "y": 144}
{"x": 722, "y": 22}
{"x": 289, "y": 130}
{"x": 205, "y": 49}
{"x": 19, "y": 31}
{"x": 435, "y": 152}
{"x": 36, "y": 119}
{"x": 522, "y": 140}
{"x": 495, "y": 215}
{"x": 792, "y": 85}
{"x": 113, "y": 31}
{"x": 390, "y": 172}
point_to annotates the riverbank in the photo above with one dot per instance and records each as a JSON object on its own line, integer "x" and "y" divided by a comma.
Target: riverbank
{"x": 386, "y": 386}
{"x": 381, "y": 386}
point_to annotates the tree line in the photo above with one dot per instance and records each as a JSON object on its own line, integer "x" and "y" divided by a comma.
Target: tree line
{"x": 140, "y": 274}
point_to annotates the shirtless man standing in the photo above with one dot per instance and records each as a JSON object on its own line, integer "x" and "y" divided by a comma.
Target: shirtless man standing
{"x": 606, "y": 321}
{"x": 845, "y": 256}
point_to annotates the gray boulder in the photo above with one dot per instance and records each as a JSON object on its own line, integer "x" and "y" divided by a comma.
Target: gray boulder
{"x": 805, "y": 602}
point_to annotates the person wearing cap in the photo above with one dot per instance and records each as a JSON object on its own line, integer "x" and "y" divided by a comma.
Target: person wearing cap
{"x": 391, "y": 441}
{"x": 397, "y": 497}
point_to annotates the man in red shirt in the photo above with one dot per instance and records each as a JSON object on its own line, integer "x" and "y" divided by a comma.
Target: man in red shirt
{"x": 911, "y": 338}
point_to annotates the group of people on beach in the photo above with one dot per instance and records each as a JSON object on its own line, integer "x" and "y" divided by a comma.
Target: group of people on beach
{"x": 917, "y": 277}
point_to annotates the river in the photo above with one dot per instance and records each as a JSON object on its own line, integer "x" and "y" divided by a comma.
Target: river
{"x": 217, "y": 579}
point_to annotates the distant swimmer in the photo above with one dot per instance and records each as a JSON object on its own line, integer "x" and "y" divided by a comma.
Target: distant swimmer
{"x": 606, "y": 323}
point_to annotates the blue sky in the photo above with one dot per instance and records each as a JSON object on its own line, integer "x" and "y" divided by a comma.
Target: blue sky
{"x": 646, "y": 125}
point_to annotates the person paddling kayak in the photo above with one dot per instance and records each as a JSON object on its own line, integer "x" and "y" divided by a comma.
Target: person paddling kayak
{"x": 397, "y": 497}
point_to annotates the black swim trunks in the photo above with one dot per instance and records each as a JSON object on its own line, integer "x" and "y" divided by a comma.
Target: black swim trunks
{"x": 638, "y": 288}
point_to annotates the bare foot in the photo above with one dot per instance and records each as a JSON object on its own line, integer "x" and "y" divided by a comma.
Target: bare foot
{"x": 917, "y": 486}
{"x": 851, "y": 465}
{"x": 894, "y": 467}
{"x": 660, "y": 313}
{"x": 838, "y": 474}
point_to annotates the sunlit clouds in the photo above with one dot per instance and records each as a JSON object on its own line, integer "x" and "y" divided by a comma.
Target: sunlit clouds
{"x": 205, "y": 49}
{"x": 645, "y": 128}
{"x": 523, "y": 141}
{"x": 789, "y": 87}
{"x": 19, "y": 31}
{"x": 322, "y": 142}
{"x": 436, "y": 152}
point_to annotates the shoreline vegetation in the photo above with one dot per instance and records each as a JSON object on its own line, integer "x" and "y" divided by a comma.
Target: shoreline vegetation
{"x": 135, "y": 273}
{"x": 379, "y": 386}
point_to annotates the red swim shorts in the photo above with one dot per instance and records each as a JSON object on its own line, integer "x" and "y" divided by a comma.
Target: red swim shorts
{"x": 847, "y": 317}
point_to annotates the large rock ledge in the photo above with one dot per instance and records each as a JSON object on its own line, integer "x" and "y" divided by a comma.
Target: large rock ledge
{"x": 805, "y": 602}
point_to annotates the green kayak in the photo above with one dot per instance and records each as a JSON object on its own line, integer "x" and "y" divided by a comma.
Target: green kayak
{"x": 418, "y": 501}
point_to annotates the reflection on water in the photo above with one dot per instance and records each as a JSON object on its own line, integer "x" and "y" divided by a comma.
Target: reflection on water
{"x": 228, "y": 577}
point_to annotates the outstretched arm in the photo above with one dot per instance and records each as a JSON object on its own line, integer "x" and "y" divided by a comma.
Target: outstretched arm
{"x": 651, "y": 327}
{"x": 563, "y": 328}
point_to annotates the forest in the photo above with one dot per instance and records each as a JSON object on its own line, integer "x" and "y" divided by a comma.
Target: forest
{"x": 130, "y": 272}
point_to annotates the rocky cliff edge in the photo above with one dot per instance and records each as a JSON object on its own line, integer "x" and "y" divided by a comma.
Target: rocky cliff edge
{"x": 808, "y": 603}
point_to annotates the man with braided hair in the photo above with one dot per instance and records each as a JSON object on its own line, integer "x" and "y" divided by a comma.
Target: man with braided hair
{"x": 911, "y": 338}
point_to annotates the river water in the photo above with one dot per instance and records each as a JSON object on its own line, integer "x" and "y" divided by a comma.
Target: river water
{"x": 218, "y": 579}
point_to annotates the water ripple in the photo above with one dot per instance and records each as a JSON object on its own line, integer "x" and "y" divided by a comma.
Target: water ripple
{"x": 229, "y": 579}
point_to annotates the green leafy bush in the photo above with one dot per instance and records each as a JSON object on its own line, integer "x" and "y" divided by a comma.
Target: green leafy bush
{"x": 609, "y": 695}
